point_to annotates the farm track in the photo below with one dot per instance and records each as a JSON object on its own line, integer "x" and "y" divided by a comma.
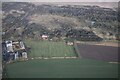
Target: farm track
{"x": 45, "y": 58}
{"x": 53, "y": 58}
{"x": 112, "y": 44}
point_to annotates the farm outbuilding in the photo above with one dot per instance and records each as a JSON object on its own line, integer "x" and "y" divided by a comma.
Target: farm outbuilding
{"x": 9, "y": 46}
{"x": 13, "y": 50}
{"x": 70, "y": 43}
{"x": 45, "y": 37}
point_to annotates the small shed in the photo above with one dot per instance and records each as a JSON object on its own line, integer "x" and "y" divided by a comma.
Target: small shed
{"x": 45, "y": 37}
{"x": 69, "y": 43}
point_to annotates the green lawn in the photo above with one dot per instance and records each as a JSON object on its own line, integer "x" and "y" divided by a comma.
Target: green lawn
{"x": 62, "y": 68}
{"x": 49, "y": 49}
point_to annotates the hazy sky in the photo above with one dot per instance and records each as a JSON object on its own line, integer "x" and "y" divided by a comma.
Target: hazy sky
{"x": 64, "y": 0}
{"x": 102, "y": 3}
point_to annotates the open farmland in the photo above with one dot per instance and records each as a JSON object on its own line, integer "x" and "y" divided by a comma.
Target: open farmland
{"x": 49, "y": 49}
{"x": 85, "y": 67}
{"x": 98, "y": 52}
{"x": 62, "y": 68}
{"x": 50, "y": 31}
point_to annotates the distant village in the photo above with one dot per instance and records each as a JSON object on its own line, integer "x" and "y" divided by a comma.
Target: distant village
{"x": 13, "y": 50}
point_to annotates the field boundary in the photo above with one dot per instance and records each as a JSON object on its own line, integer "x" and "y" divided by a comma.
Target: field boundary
{"x": 53, "y": 58}
{"x": 103, "y": 43}
{"x": 76, "y": 50}
{"x": 114, "y": 62}
{"x": 42, "y": 58}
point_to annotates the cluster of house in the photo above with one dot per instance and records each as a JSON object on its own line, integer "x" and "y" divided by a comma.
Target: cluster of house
{"x": 13, "y": 50}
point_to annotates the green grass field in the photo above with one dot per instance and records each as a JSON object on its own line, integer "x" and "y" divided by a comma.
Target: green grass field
{"x": 62, "y": 68}
{"x": 49, "y": 49}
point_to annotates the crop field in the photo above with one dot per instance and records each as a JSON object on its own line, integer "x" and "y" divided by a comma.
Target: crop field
{"x": 49, "y": 49}
{"x": 62, "y": 68}
{"x": 98, "y": 52}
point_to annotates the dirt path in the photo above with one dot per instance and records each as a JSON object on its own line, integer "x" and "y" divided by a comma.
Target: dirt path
{"x": 54, "y": 58}
{"x": 114, "y": 44}
{"x": 108, "y": 44}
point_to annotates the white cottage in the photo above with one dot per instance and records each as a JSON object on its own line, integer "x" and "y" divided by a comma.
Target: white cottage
{"x": 45, "y": 37}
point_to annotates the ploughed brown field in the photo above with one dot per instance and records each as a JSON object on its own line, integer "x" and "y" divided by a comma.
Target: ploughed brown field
{"x": 98, "y": 52}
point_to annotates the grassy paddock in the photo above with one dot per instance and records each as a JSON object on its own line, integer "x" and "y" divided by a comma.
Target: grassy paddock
{"x": 49, "y": 49}
{"x": 62, "y": 68}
